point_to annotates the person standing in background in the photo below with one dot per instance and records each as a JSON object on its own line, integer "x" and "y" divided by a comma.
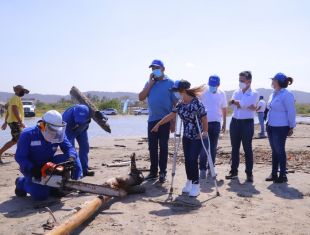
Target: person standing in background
{"x": 243, "y": 103}
{"x": 14, "y": 117}
{"x": 214, "y": 101}
{"x": 260, "y": 109}
{"x": 281, "y": 120}
{"x": 160, "y": 100}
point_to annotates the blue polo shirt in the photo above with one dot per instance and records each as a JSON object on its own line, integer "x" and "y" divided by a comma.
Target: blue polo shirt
{"x": 160, "y": 99}
{"x": 282, "y": 111}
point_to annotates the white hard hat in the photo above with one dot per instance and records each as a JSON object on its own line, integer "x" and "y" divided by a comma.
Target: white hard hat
{"x": 54, "y": 118}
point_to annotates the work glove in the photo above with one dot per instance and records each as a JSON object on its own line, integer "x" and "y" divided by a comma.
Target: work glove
{"x": 36, "y": 173}
{"x": 101, "y": 116}
{"x": 77, "y": 172}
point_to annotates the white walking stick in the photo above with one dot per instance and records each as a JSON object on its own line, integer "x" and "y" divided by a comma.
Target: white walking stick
{"x": 177, "y": 141}
{"x": 210, "y": 162}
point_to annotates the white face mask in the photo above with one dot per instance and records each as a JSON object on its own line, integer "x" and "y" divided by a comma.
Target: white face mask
{"x": 272, "y": 86}
{"x": 242, "y": 85}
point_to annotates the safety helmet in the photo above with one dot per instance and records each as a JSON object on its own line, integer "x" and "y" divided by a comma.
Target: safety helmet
{"x": 54, "y": 127}
{"x": 54, "y": 118}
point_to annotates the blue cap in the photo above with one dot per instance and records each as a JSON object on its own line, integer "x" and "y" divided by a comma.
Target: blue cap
{"x": 214, "y": 81}
{"x": 81, "y": 114}
{"x": 281, "y": 77}
{"x": 180, "y": 84}
{"x": 157, "y": 63}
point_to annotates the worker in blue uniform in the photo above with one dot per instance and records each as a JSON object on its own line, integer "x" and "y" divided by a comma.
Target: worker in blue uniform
{"x": 78, "y": 118}
{"x": 37, "y": 146}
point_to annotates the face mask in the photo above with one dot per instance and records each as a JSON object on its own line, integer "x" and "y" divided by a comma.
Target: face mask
{"x": 272, "y": 86}
{"x": 21, "y": 93}
{"x": 242, "y": 85}
{"x": 212, "y": 89}
{"x": 177, "y": 95}
{"x": 157, "y": 73}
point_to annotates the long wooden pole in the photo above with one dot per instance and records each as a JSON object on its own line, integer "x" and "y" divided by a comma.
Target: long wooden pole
{"x": 80, "y": 217}
{"x": 82, "y": 99}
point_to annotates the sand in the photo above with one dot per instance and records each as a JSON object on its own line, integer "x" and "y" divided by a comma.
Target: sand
{"x": 243, "y": 208}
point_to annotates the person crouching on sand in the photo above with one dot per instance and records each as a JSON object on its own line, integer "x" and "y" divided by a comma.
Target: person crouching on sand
{"x": 188, "y": 107}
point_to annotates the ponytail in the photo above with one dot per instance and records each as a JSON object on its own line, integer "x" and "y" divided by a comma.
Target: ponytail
{"x": 288, "y": 81}
{"x": 195, "y": 91}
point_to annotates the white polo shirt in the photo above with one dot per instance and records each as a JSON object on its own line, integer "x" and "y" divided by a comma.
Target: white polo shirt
{"x": 262, "y": 104}
{"x": 214, "y": 103}
{"x": 250, "y": 97}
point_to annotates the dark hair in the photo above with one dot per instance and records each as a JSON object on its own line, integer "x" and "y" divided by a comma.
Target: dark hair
{"x": 246, "y": 74}
{"x": 284, "y": 84}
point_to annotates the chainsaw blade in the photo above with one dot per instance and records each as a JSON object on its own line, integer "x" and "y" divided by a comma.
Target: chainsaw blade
{"x": 95, "y": 189}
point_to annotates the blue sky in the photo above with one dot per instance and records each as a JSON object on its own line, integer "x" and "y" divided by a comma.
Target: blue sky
{"x": 107, "y": 45}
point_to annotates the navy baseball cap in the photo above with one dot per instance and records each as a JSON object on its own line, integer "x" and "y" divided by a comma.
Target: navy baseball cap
{"x": 157, "y": 63}
{"x": 81, "y": 114}
{"x": 281, "y": 77}
{"x": 180, "y": 84}
{"x": 214, "y": 81}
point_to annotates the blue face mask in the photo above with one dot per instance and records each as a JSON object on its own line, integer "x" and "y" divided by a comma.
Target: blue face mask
{"x": 157, "y": 73}
{"x": 212, "y": 89}
{"x": 177, "y": 95}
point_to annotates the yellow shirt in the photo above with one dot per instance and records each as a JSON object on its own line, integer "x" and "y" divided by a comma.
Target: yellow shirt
{"x": 15, "y": 100}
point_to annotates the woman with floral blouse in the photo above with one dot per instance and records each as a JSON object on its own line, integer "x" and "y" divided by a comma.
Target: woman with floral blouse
{"x": 188, "y": 108}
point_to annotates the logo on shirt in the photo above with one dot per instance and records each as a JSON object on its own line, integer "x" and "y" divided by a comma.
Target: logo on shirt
{"x": 35, "y": 143}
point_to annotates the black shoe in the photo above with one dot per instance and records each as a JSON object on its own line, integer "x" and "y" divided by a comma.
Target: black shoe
{"x": 162, "y": 178}
{"x": 249, "y": 178}
{"x": 19, "y": 192}
{"x": 281, "y": 179}
{"x": 272, "y": 177}
{"x": 151, "y": 177}
{"x": 1, "y": 162}
{"x": 231, "y": 175}
{"x": 88, "y": 173}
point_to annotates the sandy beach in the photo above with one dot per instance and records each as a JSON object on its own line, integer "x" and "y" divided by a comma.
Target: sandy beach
{"x": 243, "y": 208}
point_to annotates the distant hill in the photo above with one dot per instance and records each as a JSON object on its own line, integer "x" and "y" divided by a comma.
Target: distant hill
{"x": 300, "y": 96}
{"x": 5, "y": 96}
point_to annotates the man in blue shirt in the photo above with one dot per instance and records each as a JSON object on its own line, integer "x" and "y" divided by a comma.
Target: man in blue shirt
{"x": 78, "y": 118}
{"x": 160, "y": 103}
{"x": 37, "y": 146}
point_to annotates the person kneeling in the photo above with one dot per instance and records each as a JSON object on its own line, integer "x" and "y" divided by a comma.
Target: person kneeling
{"x": 36, "y": 147}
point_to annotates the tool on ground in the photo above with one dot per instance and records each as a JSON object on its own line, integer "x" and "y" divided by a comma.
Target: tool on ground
{"x": 177, "y": 141}
{"x": 210, "y": 162}
{"x": 59, "y": 176}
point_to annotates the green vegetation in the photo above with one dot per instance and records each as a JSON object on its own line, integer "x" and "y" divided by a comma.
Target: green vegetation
{"x": 63, "y": 104}
{"x": 303, "y": 109}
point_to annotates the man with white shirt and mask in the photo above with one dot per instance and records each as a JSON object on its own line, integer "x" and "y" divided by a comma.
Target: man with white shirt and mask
{"x": 215, "y": 103}
{"x": 243, "y": 103}
{"x": 260, "y": 109}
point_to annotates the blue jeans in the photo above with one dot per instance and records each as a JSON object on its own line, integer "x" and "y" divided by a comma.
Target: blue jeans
{"x": 154, "y": 138}
{"x": 277, "y": 138}
{"x": 192, "y": 149}
{"x": 38, "y": 192}
{"x": 241, "y": 130}
{"x": 261, "y": 123}
{"x": 214, "y": 129}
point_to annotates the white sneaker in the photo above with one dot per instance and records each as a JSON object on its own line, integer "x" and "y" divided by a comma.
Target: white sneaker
{"x": 195, "y": 191}
{"x": 188, "y": 186}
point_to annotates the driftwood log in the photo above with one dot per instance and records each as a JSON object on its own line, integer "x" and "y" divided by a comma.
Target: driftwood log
{"x": 130, "y": 183}
{"x": 82, "y": 99}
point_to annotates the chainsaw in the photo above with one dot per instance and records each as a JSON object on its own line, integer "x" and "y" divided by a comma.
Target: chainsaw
{"x": 59, "y": 176}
